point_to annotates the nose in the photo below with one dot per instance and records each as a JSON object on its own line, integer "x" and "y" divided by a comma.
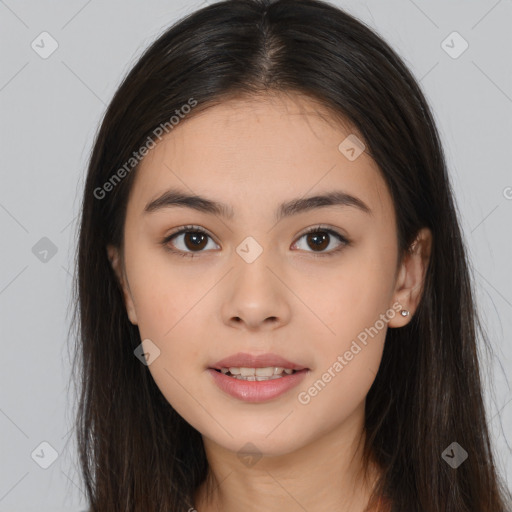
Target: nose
{"x": 257, "y": 298}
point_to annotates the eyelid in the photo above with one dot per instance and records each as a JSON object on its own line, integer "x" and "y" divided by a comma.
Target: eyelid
{"x": 186, "y": 229}
{"x": 322, "y": 227}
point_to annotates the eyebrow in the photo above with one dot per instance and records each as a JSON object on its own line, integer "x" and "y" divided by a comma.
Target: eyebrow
{"x": 176, "y": 198}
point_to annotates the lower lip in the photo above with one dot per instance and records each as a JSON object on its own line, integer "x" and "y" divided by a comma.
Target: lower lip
{"x": 256, "y": 391}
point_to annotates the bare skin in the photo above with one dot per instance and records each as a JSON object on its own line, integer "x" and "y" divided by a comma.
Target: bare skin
{"x": 294, "y": 299}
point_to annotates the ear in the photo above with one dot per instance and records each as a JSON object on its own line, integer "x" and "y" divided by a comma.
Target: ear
{"x": 411, "y": 277}
{"x": 115, "y": 259}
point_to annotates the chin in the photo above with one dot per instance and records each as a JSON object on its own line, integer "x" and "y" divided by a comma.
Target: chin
{"x": 258, "y": 444}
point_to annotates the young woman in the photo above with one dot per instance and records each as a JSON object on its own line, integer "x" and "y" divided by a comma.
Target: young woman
{"x": 273, "y": 298}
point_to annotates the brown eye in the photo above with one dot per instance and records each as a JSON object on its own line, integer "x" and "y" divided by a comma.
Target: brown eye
{"x": 318, "y": 239}
{"x": 188, "y": 241}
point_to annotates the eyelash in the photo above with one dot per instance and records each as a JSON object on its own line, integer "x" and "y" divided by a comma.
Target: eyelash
{"x": 196, "y": 229}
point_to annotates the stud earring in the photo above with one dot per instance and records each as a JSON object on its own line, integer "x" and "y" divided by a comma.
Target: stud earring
{"x": 404, "y": 312}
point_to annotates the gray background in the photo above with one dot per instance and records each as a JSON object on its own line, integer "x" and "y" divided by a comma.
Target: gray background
{"x": 50, "y": 110}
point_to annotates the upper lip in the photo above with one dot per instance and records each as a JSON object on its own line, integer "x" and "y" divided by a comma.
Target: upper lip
{"x": 244, "y": 360}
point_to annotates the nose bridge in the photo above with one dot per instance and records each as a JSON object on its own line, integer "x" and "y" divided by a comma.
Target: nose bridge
{"x": 252, "y": 268}
{"x": 256, "y": 294}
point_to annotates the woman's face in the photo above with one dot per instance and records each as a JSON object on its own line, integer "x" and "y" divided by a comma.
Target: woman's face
{"x": 257, "y": 282}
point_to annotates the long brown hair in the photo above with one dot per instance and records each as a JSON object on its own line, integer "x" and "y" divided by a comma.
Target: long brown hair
{"x": 136, "y": 453}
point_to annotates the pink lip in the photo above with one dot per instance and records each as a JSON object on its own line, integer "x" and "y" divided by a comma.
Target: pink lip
{"x": 245, "y": 360}
{"x": 256, "y": 391}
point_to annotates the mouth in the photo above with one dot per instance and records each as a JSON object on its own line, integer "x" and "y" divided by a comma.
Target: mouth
{"x": 256, "y": 377}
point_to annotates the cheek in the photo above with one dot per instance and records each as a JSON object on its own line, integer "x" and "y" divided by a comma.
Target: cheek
{"x": 350, "y": 294}
{"x": 164, "y": 293}
{"x": 168, "y": 305}
{"x": 354, "y": 302}
{"x": 346, "y": 361}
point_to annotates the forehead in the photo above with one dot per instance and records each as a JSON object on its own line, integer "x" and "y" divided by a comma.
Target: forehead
{"x": 256, "y": 150}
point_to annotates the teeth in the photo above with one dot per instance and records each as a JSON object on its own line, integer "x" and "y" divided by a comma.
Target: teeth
{"x": 257, "y": 374}
{"x": 265, "y": 372}
{"x": 254, "y": 378}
